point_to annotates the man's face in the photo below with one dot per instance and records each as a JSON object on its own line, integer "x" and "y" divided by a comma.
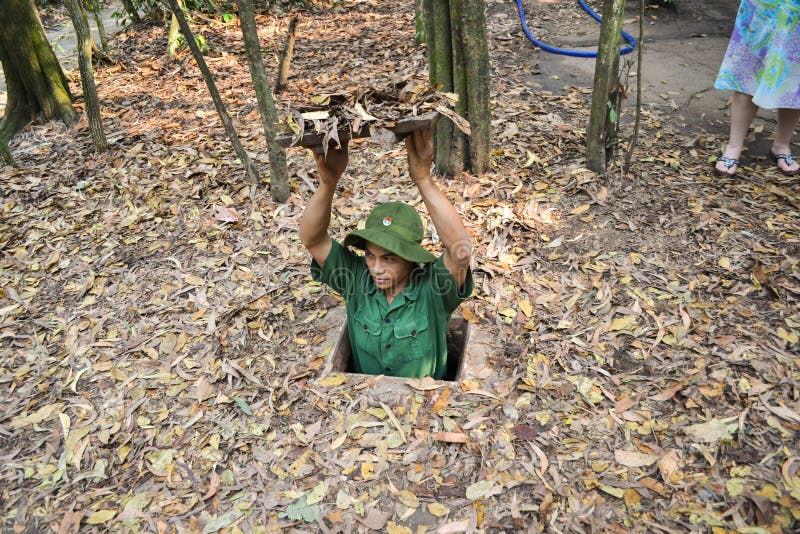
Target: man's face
{"x": 389, "y": 271}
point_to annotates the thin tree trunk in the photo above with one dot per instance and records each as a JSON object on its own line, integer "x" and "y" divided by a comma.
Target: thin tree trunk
{"x": 605, "y": 78}
{"x": 422, "y": 9}
{"x": 426, "y": 12}
{"x": 173, "y": 37}
{"x": 130, "y": 9}
{"x": 286, "y": 58}
{"x": 279, "y": 184}
{"x": 249, "y": 167}
{"x": 635, "y": 136}
{"x": 35, "y": 82}
{"x": 101, "y": 29}
{"x": 97, "y": 15}
{"x": 155, "y": 11}
{"x": 458, "y": 140}
{"x": 477, "y": 93}
{"x": 612, "y": 117}
{"x": 87, "y": 75}
{"x": 441, "y": 68}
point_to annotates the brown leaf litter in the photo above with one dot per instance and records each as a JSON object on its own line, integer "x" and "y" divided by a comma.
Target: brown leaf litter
{"x": 160, "y": 339}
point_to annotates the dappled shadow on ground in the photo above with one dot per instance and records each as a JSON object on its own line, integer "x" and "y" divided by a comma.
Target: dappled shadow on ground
{"x": 163, "y": 364}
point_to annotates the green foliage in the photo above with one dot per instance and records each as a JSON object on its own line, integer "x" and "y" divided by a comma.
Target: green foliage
{"x": 199, "y": 39}
{"x": 294, "y": 4}
{"x": 201, "y": 43}
{"x": 209, "y": 6}
{"x": 301, "y": 510}
{"x": 612, "y": 113}
{"x": 152, "y": 9}
{"x": 155, "y": 9}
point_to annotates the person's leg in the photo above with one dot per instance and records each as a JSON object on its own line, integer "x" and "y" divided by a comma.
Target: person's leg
{"x": 742, "y": 112}
{"x": 787, "y": 122}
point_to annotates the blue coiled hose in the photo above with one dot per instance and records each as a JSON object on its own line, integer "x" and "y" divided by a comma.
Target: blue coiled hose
{"x": 574, "y": 53}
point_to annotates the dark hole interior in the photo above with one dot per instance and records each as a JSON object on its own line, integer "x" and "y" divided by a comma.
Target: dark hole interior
{"x": 457, "y": 337}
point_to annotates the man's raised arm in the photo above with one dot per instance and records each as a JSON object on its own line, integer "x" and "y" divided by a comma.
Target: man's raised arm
{"x": 317, "y": 215}
{"x": 448, "y": 223}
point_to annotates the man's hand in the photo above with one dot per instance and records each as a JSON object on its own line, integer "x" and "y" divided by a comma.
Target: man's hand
{"x": 330, "y": 167}
{"x": 419, "y": 147}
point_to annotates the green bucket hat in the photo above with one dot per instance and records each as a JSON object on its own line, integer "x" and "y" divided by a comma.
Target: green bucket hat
{"x": 396, "y": 227}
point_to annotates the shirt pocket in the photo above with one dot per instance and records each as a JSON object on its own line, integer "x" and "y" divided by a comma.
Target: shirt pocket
{"x": 412, "y": 340}
{"x": 367, "y": 337}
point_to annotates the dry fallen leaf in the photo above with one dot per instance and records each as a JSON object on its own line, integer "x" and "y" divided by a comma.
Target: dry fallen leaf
{"x": 713, "y": 430}
{"x": 437, "y": 509}
{"x": 100, "y": 516}
{"x": 580, "y": 209}
{"x": 333, "y": 380}
{"x": 634, "y": 458}
{"x": 224, "y": 214}
{"x": 409, "y": 499}
{"x": 425, "y": 384}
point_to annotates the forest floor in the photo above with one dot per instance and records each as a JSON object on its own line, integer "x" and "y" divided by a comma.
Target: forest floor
{"x": 162, "y": 345}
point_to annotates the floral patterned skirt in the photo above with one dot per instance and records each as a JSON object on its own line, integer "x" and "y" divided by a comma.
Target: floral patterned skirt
{"x": 763, "y": 56}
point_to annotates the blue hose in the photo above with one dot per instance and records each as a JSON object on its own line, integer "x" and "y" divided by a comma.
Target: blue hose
{"x": 574, "y": 53}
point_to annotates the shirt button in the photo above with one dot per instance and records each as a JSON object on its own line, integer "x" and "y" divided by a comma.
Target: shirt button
{"x": 387, "y": 321}
{"x": 388, "y": 345}
{"x": 413, "y": 332}
{"x": 365, "y": 327}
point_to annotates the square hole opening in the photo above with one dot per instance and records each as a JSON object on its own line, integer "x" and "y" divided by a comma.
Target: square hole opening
{"x": 458, "y": 330}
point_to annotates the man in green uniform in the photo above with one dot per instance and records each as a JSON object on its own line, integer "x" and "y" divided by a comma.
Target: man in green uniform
{"x": 399, "y": 296}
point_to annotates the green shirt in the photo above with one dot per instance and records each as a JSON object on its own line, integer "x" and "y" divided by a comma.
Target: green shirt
{"x": 405, "y": 338}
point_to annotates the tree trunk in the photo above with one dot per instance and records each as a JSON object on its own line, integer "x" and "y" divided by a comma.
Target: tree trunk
{"x": 85, "y": 45}
{"x": 614, "y": 105}
{"x": 279, "y": 184}
{"x": 606, "y": 79}
{"x": 95, "y": 10}
{"x": 101, "y": 30}
{"x": 458, "y": 140}
{"x": 130, "y": 9}
{"x": 637, "y": 121}
{"x": 458, "y": 55}
{"x": 154, "y": 11}
{"x": 441, "y": 73}
{"x": 286, "y": 58}
{"x": 35, "y": 82}
{"x": 479, "y": 112}
{"x": 173, "y": 37}
{"x": 422, "y": 10}
{"x": 249, "y": 167}
{"x": 424, "y": 20}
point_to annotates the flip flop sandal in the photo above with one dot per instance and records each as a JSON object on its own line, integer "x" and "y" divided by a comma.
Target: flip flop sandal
{"x": 788, "y": 159}
{"x": 729, "y": 163}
